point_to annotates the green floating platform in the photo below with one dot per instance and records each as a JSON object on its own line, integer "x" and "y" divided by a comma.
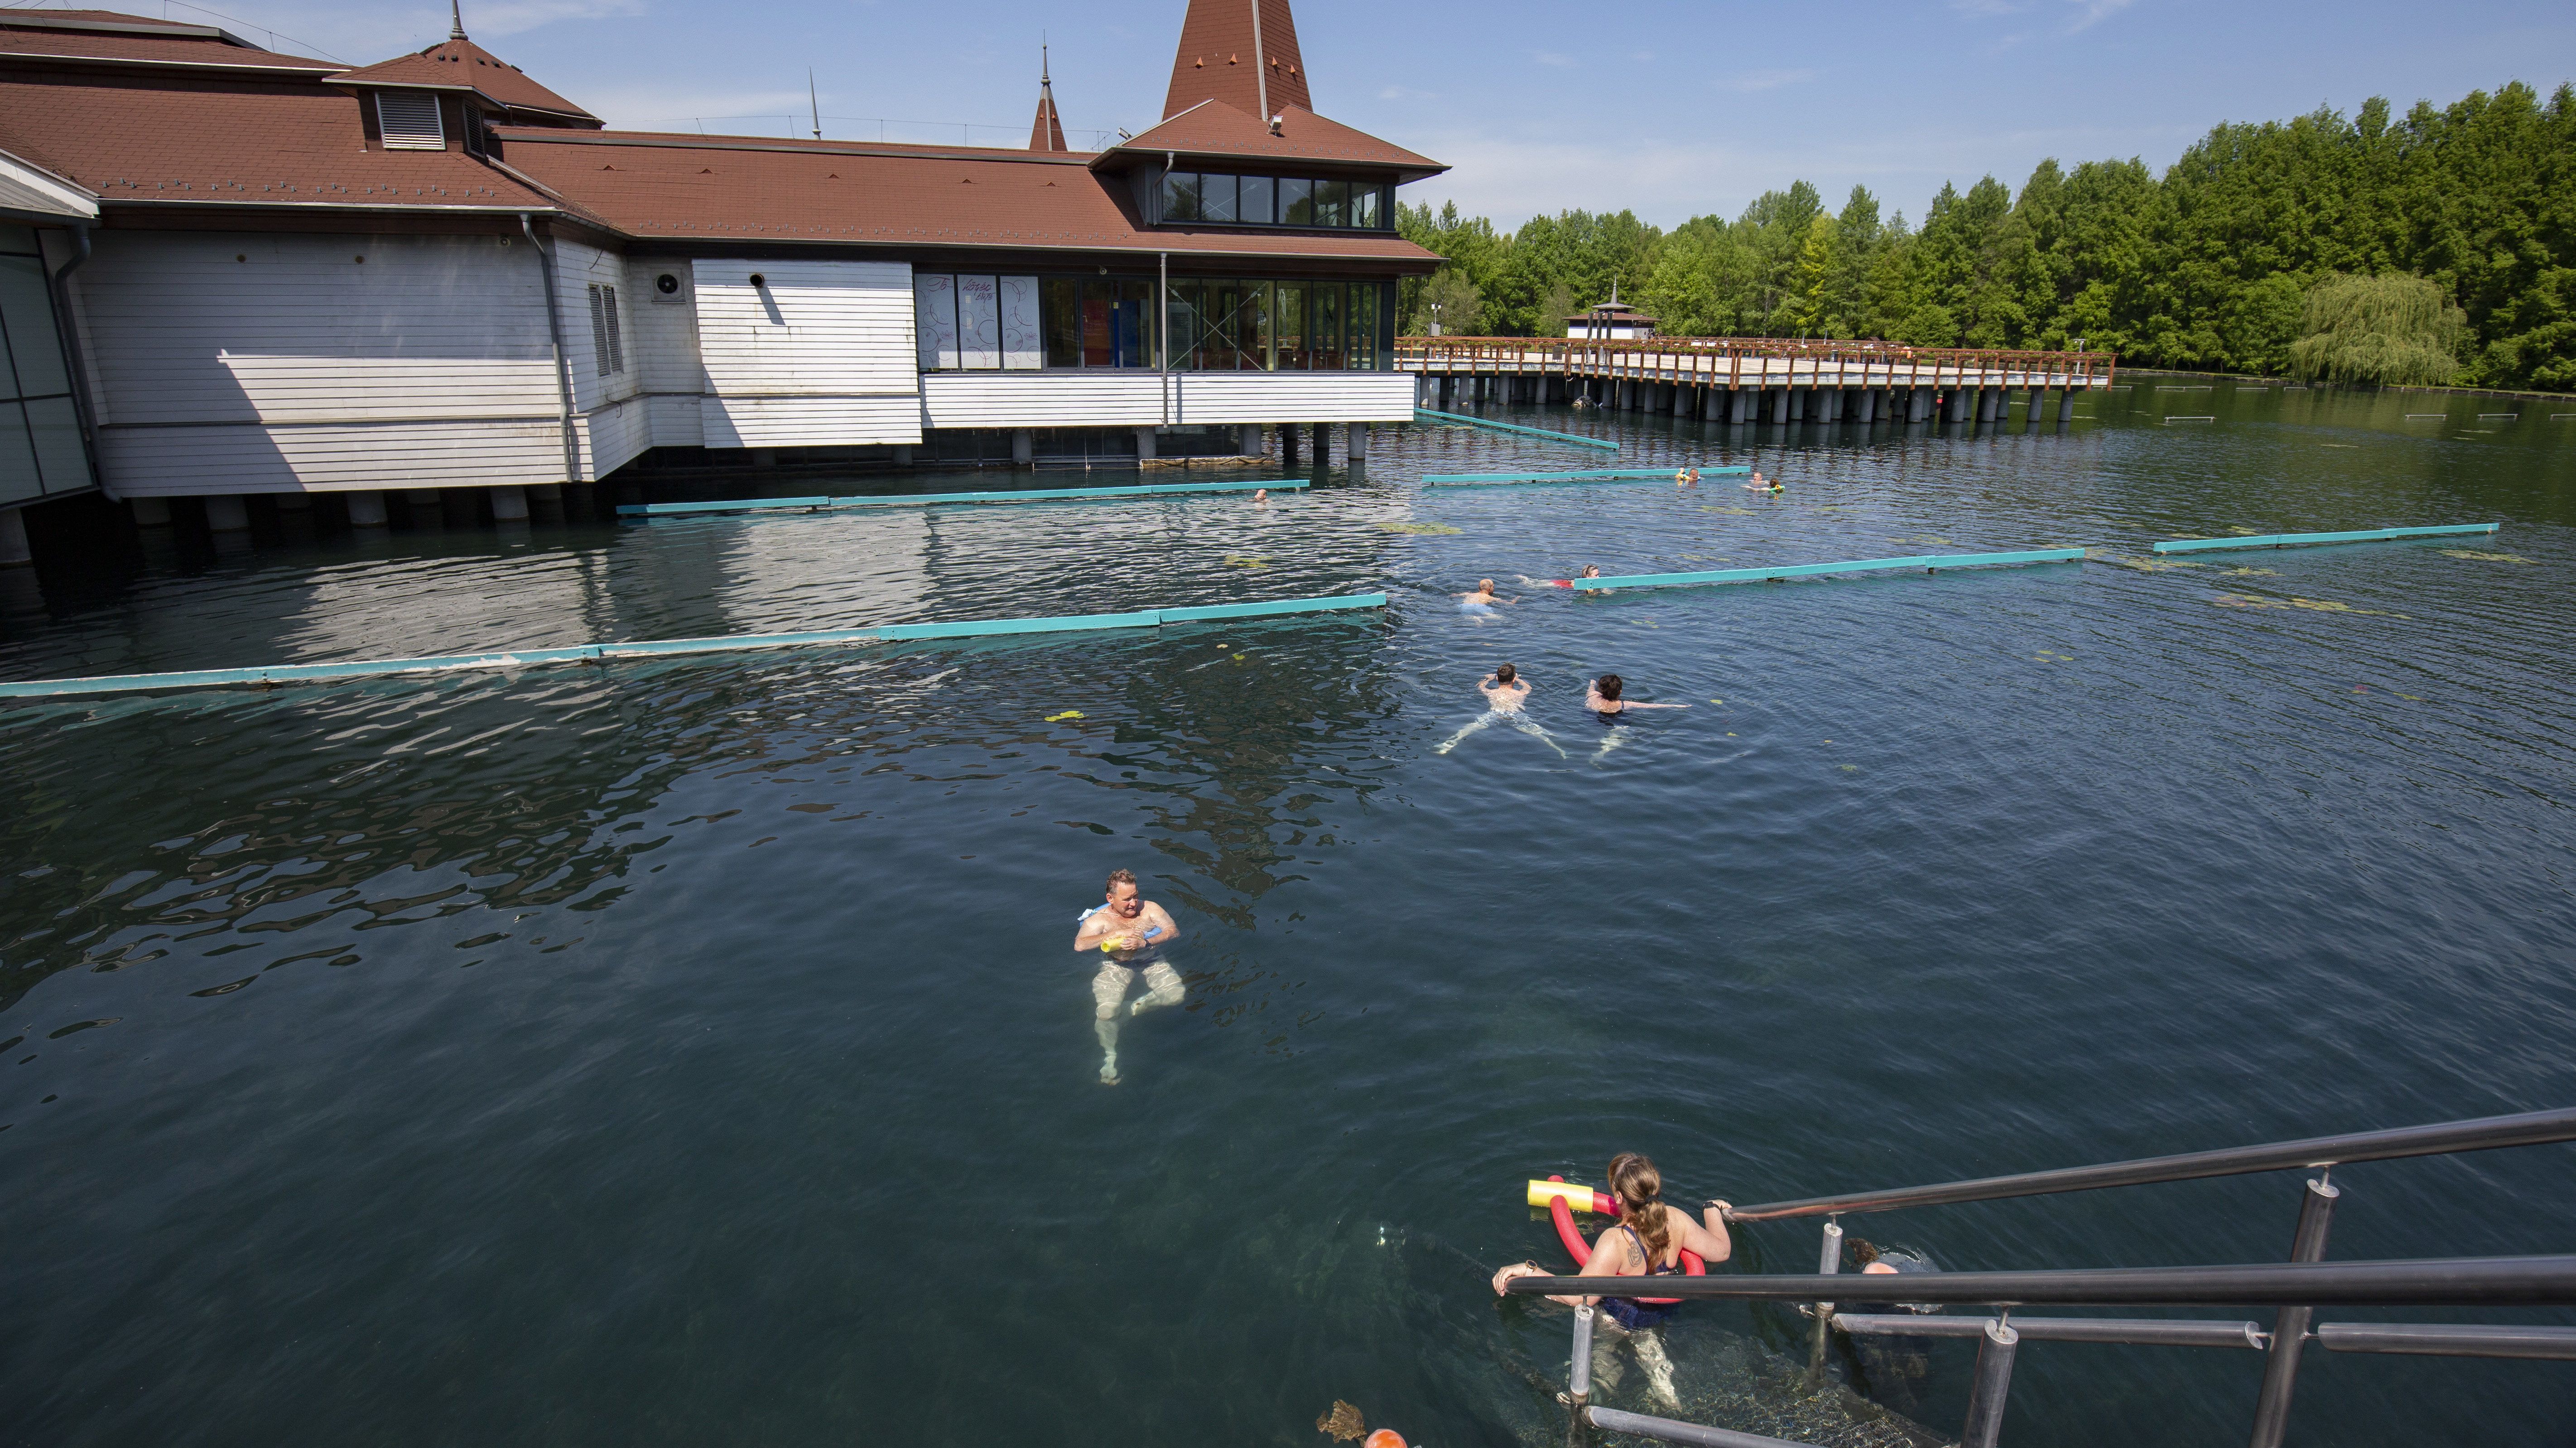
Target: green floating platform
{"x": 2286, "y": 540}
{"x": 914, "y": 500}
{"x": 651, "y": 648}
{"x": 1462, "y": 420}
{"x": 1925, "y": 561}
{"x": 1583, "y": 475}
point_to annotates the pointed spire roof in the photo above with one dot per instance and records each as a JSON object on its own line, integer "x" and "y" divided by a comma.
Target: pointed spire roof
{"x": 457, "y": 63}
{"x": 1046, "y": 133}
{"x": 1241, "y": 52}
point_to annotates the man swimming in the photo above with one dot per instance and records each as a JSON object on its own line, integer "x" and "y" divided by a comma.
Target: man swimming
{"x": 1686, "y": 478}
{"x": 1261, "y": 497}
{"x": 1505, "y": 691}
{"x": 1761, "y": 484}
{"x": 1132, "y": 931}
{"x": 1604, "y": 699}
{"x": 1482, "y": 601}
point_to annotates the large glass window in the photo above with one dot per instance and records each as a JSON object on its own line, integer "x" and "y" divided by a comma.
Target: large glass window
{"x": 1296, "y": 202}
{"x": 1365, "y": 204}
{"x": 1276, "y": 200}
{"x": 976, "y": 323}
{"x": 1060, "y": 304}
{"x": 1216, "y": 198}
{"x": 1325, "y": 326}
{"x": 1181, "y": 196}
{"x": 41, "y": 452}
{"x": 1289, "y": 351}
{"x": 1218, "y": 324}
{"x": 1332, "y": 203}
{"x": 1259, "y": 200}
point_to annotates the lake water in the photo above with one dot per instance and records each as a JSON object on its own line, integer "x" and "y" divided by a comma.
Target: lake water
{"x": 693, "y": 1052}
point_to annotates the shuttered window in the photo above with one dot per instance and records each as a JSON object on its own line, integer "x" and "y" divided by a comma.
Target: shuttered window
{"x": 605, "y": 343}
{"x": 409, "y": 120}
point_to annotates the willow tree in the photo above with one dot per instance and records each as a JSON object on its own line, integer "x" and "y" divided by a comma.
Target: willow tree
{"x": 2391, "y": 329}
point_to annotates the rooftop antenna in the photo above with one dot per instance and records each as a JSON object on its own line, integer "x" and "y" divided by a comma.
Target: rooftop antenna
{"x": 815, "y": 101}
{"x": 455, "y": 19}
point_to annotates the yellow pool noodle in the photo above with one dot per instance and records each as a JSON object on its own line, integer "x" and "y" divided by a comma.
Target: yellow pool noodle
{"x": 1578, "y": 1197}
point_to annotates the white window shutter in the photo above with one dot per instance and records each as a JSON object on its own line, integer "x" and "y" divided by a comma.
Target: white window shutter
{"x": 616, "y": 343}
{"x": 409, "y": 121}
{"x": 598, "y": 331}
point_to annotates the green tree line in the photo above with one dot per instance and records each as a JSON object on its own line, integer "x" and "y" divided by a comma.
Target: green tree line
{"x": 2209, "y": 266}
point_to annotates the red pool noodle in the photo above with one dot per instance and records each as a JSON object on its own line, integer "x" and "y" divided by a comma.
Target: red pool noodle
{"x": 1581, "y": 1250}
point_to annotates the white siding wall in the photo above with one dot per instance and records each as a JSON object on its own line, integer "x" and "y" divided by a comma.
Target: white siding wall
{"x": 1135, "y": 399}
{"x": 247, "y": 362}
{"x": 664, "y": 350}
{"x": 820, "y": 356}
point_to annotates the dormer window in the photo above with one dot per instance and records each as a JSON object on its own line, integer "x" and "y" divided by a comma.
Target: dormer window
{"x": 409, "y": 121}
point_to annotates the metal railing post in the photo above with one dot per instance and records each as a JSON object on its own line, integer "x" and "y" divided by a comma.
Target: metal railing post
{"x": 1579, "y": 1381}
{"x": 1829, "y": 1261}
{"x": 1994, "y": 1379}
{"x": 2290, "y": 1329}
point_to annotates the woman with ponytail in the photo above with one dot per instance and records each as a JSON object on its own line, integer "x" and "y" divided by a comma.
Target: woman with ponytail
{"x": 1647, "y": 1241}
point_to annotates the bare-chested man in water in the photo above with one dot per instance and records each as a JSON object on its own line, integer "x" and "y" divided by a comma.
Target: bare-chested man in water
{"x": 1505, "y": 692}
{"x": 1132, "y": 932}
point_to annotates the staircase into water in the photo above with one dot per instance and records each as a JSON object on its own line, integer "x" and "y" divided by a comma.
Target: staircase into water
{"x": 2295, "y": 1290}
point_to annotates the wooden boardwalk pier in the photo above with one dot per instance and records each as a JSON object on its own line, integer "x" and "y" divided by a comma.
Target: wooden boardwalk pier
{"x": 1751, "y": 379}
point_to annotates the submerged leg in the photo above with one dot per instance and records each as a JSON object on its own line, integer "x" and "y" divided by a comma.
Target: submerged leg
{"x": 1531, "y": 727}
{"x": 1610, "y": 739}
{"x": 1107, "y": 989}
{"x": 1658, "y": 1366}
{"x": 1162, "y": 988}
{"x": 1479, "y": 722}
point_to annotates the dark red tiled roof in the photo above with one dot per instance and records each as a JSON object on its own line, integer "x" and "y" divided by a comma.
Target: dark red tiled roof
{"x": 459, "y": 64}
{"x": 1219, "y": 61}
{"x": 119, "y": 46}
{"x": 1213, "y": 128}
{"x": 251, "y": 142}
{"x": 682, "y": 187}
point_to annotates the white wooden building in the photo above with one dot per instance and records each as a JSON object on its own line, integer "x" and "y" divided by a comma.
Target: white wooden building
{"x": 436, "y": 273}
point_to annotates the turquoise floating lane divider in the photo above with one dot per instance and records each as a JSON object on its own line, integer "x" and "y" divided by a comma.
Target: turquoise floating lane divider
{"x": 1463, "y": 420}
{"x": 910, "y": 500}
{"x": 652, "y": 648}
{"x": 1813, "y": 570}
{"x": 1584, "y": 475}
{"x": 2284, "y": 540}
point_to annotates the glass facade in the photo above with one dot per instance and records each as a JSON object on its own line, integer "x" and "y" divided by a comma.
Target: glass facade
{"x": 1276, "y": 201}
{"x": 41, "y": 453}
{"x": 1259, "y": 326}
{"x": 1229, "y": 325}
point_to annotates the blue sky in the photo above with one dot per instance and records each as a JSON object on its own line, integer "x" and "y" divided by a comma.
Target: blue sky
{"x": 1670, "y": 109}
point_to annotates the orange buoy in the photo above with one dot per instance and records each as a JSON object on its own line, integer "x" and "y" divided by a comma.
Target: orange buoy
{"x": 1384, "y": 1438}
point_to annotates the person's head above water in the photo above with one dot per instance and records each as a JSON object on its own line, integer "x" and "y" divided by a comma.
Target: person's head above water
{"x": 1865, "y": 1253}
{"x": 1484, "y": 585}
{"x": 1123, "y": 898}
{"x": 1640, "y": 1190}
{"x": 1592, "y": 570}
{"x": 1610, "y": 685}
{"x": 1261, "y": 495}
{"x": 1504, "y": 674}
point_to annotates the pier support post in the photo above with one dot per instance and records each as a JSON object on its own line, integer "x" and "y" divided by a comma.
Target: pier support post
{"x": 1024, "y": 446}
{"x": 1738, "y": 401}
{"x": 1779, "y": 406}
{"x": 1800, "y": 399}
{"x": 509, "y": 505}
{"x": 1829, "y": 1262}
{"x": 2290, "y": 1328}
{"x": 227, "y": 513}
{"x": 1993, "y": 1381}
{"x": 1868, "y": 405}
{"x": 1989, "y": 403}
{"x": 1247, "y": 440}
{"x": 1287, "y": 444}
{"x": 2066, "y": 405}
{"x": 1144, "y": 444}
{"x": 1918, "y": 403}
{"x": 151, "y": 512}
{"x": 1833, "y": 404}
{"x": 1681, "y": 400}
{"x": 1357, "y": 446}
{"x": 14, "y": 552}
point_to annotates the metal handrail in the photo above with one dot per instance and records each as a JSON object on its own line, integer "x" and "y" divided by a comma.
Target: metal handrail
{"x": 2546, "y": 1281}
{"x": 2527, "y": 1128}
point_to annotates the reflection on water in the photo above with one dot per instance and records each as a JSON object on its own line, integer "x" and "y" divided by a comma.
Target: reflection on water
{"x": 690, "y": 1050}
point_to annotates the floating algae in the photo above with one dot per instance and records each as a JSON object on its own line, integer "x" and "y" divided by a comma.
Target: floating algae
{"x": 1420, "y": 528}
{"x": 2249, "y": 573}
{"x": 1930, "y": 541}
{"x": 2246, "y": 532}
{"x": 1245, "y": 560}
{"x": 1343, "y": 1423}
{"x": 2474, "y": 555}
{"x": 2053, "y": 658}
{"x": 2143, "y": 565}
{"x": 2315, "y": 605}
{"x": 1739, "y": 512}
{"x": 1067, "y": 714}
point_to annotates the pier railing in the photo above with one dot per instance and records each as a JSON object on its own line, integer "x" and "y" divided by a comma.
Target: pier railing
{"x": 2296, "y": 1287}
{"x": 1735, "y": 362}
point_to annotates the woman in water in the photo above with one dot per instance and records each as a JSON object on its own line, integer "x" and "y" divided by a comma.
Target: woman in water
{"x": 1602, "y": 698}
{"x": 1647, "y": 1241}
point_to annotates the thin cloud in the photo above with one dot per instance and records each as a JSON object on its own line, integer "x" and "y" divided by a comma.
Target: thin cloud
{"x": 1550, "y": 57}
{"x": 2094, "y": 12}
{"x": 1763, "y": 80}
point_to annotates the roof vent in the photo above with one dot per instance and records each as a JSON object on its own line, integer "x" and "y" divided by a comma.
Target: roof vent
{"x": 409, "y": 121}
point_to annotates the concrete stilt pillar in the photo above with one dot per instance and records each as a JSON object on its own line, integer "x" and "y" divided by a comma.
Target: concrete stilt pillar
{"x": 1833, "y": 404}
{"x": 1779, "y": 405}
{"x": 1357, "y": 447}
{"x": 14, "y": 552}
{"x": 1247, "y": 439}
{"x": 1868, "y": 406}
{"x": 1738, "y": 399}
{"x": 366, "y": 509}
{"x": 1799, "y": 398}
{"x": 1024, "y": 446}
{"x": 509, "y": 505}
{"x": 2066, "y": 405}
{"x": 1144, "y": 443}
{"x": 151, "y": 512}
{"x": 1918, "y": 407}
{"x": 1681, "y": 400}
{"x": 1990, "y": 403}
{"x": 227, "y": 513}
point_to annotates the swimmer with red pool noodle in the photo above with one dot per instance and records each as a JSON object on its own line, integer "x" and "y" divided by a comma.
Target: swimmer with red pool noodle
{"x": 1647, "y": 1241}
{"x": 1132, "y": 931}
{"x": 1590, "y": 570}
